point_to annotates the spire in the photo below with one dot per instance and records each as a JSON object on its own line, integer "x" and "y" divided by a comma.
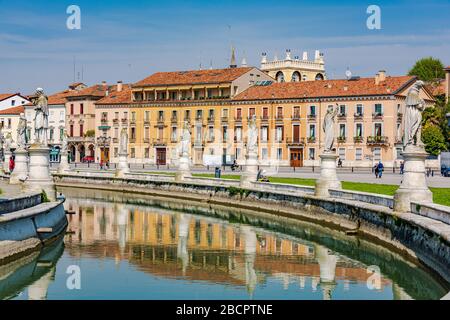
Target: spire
{"x": 244, "y": 61}
{"x": 233, "y": 58}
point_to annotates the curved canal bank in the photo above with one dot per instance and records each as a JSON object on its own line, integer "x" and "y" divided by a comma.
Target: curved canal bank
{"x": 425, "y": 239}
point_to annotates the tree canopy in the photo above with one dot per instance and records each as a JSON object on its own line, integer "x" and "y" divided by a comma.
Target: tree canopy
{"x": 428, "y": 69}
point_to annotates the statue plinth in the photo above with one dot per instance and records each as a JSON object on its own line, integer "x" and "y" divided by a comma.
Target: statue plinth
{"x": 122, "y": 167}
{"x": 39, "y": 177}
{"x": 64, "y": 162}
{"x": 7, "y": 154}
{"x": 20, "y": 172}
{"x": 414, "y": 184}
{"x": 250, "y": 172}
{"x": 328, "y": 176}
{"x": 184, "y": 169}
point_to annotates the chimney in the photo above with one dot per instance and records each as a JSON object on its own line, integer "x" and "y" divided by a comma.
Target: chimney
{"x": 382, "y": 75}
{"x": 119, "y": 86}
{"x": 104, "y": 84}
{"x": 447, "y": 83}
{"x": 305, "y": 55}
{"x": 377, "y": 79}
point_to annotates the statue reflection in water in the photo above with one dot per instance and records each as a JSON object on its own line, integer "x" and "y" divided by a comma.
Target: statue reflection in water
{"x": 327, "y": 263}
{"x": 183, "y": 233}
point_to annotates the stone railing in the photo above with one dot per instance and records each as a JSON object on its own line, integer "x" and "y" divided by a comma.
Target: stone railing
{"x": 381, "y": 200}
{"x": 433, "y": 211}
{"x": 19, "y": 203}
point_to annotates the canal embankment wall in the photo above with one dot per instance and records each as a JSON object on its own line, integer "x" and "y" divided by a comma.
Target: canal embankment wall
{"x": 424, "y": 233}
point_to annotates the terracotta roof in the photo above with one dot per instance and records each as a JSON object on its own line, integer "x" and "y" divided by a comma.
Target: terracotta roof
{"x": 4, "y": 96}
{"x": 326, "y": 88}
{"x": 97, "y": 90}
{"x": 193, "y": 77}
{"x": 13, "y": 111}
{"x": 437, "y": 89}
{"x": 115, "y": 97}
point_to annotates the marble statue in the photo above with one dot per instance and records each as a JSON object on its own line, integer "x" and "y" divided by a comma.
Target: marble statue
{"x": 8, "y": 141}
{"x": 328, "y": 128}
{"x": 41, "y": 117}
{"x": 185, "y": 140}
{"x": 413, "y": 116}
{"x": 123, "y": 145}
{"x": 22, "y": 131}
{"x": 64, "y": 142}
{"x": 252, "y": 143}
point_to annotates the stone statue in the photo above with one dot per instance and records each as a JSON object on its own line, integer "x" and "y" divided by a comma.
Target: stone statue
{"x": 41, "y": 117}
{"x": 22, "y": 132}
{"x": 123, "y": 146}
{"x": 64, "y": 141}
{"x": 252, "y": 142}
{"x": 413, "y": 116}
{"x": 328, "y": 128}
{"x": 185, "y": 140}
{"x": 8, "y": 141}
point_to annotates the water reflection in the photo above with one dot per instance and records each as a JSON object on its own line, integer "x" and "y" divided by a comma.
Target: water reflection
{"x": 135, "y": 251}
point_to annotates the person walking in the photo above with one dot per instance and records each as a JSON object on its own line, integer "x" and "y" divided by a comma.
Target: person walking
{"x": 375, "y": 170}
{"x": 380, "y": 169}
{"x": 402, "y": 167}
{"x": 12, "y": 164}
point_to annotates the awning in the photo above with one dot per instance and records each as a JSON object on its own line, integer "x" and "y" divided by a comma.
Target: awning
{"x": 104, "y": 127}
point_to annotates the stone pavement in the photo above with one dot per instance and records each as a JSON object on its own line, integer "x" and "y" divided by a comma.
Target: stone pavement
{"x": 9, "y": 190}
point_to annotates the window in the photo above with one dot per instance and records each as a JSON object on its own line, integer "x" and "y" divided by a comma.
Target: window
{"x": 359, "y": 154}
{"x": 264, "y": 134}
{"x": 312, "y": 130}
{"x": 133, "y": 153}
{"x": 279, "y": 112}
{"x": 264, "y": 153}
{"x": 279, "y": 76}
{"x": 251, "y": 112}
{"x": 312, "y": 110}
{"x": 187, "y": 115}
{"x": 81, "y": 108}
{"x": 238, "y": 153}
{"x": 238, "y": 134}
{"x": 9, "y": 123}
{"x": 61, "y": 116}
{"x": 265, "y": 113}
{"x": 13, "y": 103}
{"x": 342, "y": 130}
{"x": 81, "y": 130}
{"x": 61, "y": 134}
{"x": 211, "y": 114}
{"x": 211, "y": 133}
{"x": 160, "y": 115}
{"x": 378, "y": 129}
{"x": 116, "y": 152}
{"x": 312, "y": 153}
{"x": 342, "y": 110}
{"x": 51, "y": 133}
{"x": 147, "y": 153}
{"x": 125, "y": 115}
{"x": 279, "y": 134}
{"x": 399, "y": 151}
{"x": 279, "y": 153}
{"x": 378, "y": 109}
{"x": 133, "y": 133}
{"x": 174, "y": 133}
{"x": 225, "y": 113}
{"x": 146, "y": 133}
{"x": 359, "y": 110}
{"x": 71, "y": 130}
{"x": 359, "y": 130}
{"x": 296, "y": 113}
{"x": 116, "y": 133}
{"x": 377, "y": 154}
{"x": 116, "y": 115}
{"x": 342, "y": 153}
{"x": 71, "y": 109}
{"x": 225, "y": 133}
{"x": 199, "y": 115}
{"x": 133, "y": 116}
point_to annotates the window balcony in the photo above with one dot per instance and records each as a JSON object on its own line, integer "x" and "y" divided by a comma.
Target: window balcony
{"x": 211, "y": 119}
{"x": 342, "y": 116}
{"x": 296, "y": 116}
{"x": 146, "y": 121}
{"x": 199, "y": 118}
{"x": 312, "y": 117}
{"x": 377, "y": 115}
{"x": 173, "y": 119}
{"x": 358, "y": 139}
{"x": 312, "y": 139}
{"x": 399, "y": 116}
{"x": 146, "y": 140}
{"x": 377, "y": 140}
{"x": 124, "y": 121}
{"x": 161, "y": 120}
{"x": 173, "y": 139}
{"x": 115, "y": 140}
{"x": 198, "y": 143}
{"x": 133, "y": 122}
{"x": 210, "y": 139}
{"x": 279, "y": 117}
{"x": 265, "y": 118}
{"x": 359, "y": 115}
{"x": 341, "y": 139}
{"x": 238, "y": 119}
{"x": 224, "y": 119}
{"x": 295, "y": 142}
{"x": 160, "y": 142}
{"x": 132, "y": 140}
{"x": 115, "y": 122}
{"x": 104, "y": 121}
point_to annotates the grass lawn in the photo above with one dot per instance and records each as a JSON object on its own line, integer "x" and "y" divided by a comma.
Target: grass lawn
{"x": 440, "y": 195}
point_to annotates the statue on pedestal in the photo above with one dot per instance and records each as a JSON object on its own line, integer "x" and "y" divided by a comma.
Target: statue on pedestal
{"x": 64, "y": 142}
{"x": 8, "y": 142}
{"x": 185, "y": 140}
{"x": 41, "y": 117}
{"x": 328, "y": 128}
{"x": 22, "y": 132}
{"x": 252, "y": 142}
{"x": 123, "y": 145}
{"x": 413, "y": 116}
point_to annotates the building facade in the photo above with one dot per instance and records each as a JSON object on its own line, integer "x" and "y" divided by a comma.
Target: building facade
{"x": 294, "y": 69}
{"x": 10, "y": 100}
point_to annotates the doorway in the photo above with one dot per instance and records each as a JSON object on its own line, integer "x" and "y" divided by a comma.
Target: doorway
{"x": 161, "y": 156}
{"x": 296, "y": 157}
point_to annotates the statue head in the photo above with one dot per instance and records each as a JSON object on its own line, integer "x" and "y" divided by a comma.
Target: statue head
{"x": 419, "y": 84}
{"x": 330, "y": 109}
{"x": 22, "y": 116}
{"x": 39, "y": 91}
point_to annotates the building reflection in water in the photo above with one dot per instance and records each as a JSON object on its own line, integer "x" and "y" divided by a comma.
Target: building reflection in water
{"x": 201, "y": 248}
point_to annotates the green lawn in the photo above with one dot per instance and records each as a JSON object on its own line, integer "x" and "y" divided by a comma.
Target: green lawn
{"x": 440, "y": 195}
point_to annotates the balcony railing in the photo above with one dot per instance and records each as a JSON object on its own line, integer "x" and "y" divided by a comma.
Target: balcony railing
{"x": 358, "y": 139}
{"x": 312, "y": 117}
{"x": 296, "y": 141}
{"x": 104, "y": 121}
{"x": 146, "y": 140}
{"x": 381, "y": 140}
{"x": 115, "y": 140}
{"x": 211, "y": 119}
{"x": 399, "y": 116}
{"x": 224, "y": 119}
{"x": 359, "y": 115}
{"x": 342, "y": 116}
{"x": 133, "y": 122}
{"x": 115, "y": 122}
{"x": 159, "y": 142}
{"x": 296, "y": 116}
{"x": 279, "y": 117}
{"x": 173, "y": 139}
{"x": 238, "y": 119}
{"x": 160, "y": 120}
{"x": 124, "y": 121}
{"x": 341, "y": 139}
{"x": 265, "y": 117}
{"x": 132, "y": 140}
{"x": 377, "y": 115}
{"x": 147, "y": 121}
{"x": 199, "y": 118}
{"x": 311, "y": 140}
{"x": 198, "y": 143}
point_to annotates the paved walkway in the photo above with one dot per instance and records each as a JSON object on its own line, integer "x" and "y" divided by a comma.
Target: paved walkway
{"x": 9, "y": 190}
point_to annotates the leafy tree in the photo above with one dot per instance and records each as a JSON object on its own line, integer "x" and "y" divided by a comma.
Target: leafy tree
{"x": 434, "y": 139}
{"x": 428, "y": 69}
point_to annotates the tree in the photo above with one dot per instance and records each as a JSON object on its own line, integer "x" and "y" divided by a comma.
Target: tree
{"x": 433, "y": 139}
{"x": 428, "y": 69}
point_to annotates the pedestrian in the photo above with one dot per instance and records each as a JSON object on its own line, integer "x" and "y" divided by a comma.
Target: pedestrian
{"x": 402, "y": 167}
{"x": 375, "y": 170}
{"x": 107, "y": 164}
{"x": 380, "y": 169}
{"x": 101, "y": 164}
{"x": 339, "y": 163}
{"x": 12, "y": 164}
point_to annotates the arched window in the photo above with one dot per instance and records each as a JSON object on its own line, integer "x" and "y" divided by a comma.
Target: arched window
{"x": 279, "y": 77}
{"x": 319, "y": 76}
{"x": 296, "y": 76}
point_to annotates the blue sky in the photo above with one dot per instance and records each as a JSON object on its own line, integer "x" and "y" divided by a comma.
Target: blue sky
{"x": 129, "y": 40}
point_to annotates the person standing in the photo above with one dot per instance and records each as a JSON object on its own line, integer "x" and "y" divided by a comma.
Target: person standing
{"x": 402, "y": 167}
{"x": 12, "y": 164}
{"x": 380, "y": 169}
{"x": 375, "y": 170}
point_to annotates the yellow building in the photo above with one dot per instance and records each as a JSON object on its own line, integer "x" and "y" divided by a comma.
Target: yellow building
{"x": 219, "y": 103}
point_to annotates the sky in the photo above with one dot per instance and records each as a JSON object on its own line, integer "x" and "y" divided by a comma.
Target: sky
{"x": 130, "y": 40}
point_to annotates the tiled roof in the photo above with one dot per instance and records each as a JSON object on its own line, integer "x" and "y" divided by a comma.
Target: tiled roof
{"x": 193, "y": 77}
{"x": 4, "y": 96}
{"x": 97, "y": 90}
{"x": 115, "y": 97}
{"x": 13, "y": 111}
{"x": 326, "y": 88}
{"x": 437, "y": 89}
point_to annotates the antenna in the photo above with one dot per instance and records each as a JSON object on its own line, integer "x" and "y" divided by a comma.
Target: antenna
{"x": 74, "y": 67}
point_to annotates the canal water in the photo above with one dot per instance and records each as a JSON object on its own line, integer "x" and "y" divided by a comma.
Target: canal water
{"x": 135, "y": 247}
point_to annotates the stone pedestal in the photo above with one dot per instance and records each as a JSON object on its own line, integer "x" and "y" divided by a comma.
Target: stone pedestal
{"x": 8, "y": 155}
{"x": 39, "y": 177}
{"x": 122, "y": 167}
{"x": 414, "y": 184}
{"x": 184, "y": 169}
{"x": 250, "y": 172}
{"x": 328, "y": 176}
{"x": 64, "y": 162}
{"x": 20, "y": 172}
